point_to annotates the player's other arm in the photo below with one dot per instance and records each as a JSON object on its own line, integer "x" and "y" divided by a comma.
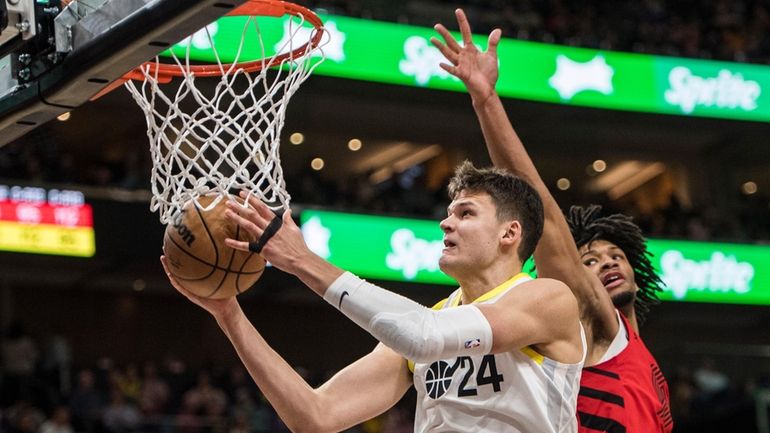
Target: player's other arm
{"x": 357, "y": 393}
{"x": 556, "y": 254}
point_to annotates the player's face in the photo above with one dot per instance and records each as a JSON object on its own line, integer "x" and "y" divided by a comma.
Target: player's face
{"x": 609, "y": 263}
{"x": 472, "y": 234}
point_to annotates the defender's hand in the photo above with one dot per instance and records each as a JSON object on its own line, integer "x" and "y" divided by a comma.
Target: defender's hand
{"x": 477, "y": 70}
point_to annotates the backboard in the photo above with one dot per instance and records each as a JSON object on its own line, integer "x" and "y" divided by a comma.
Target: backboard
{"x": 56, "y": 54}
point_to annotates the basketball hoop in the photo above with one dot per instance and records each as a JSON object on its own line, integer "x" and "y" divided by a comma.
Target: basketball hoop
{"x": 223, "y": 135}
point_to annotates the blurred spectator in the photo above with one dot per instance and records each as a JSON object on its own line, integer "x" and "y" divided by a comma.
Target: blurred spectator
{"x": 237, "y": 379}
{"x": 19, "y": 357}
{"x": 248, "y": 415}
{"x": 120, "y": 416}
{"x": 128, "y": 382}
{"x": 154, "y": 393}
{"x": 205, "y": 398}
{"x": 56, "y": 365}
{"x": 59, "y": 422}
{"x": 86, "y": 403}
{"x": 682, "y": 390}
{"x": 23, "y": 417}
{"x": 175, "y": 375}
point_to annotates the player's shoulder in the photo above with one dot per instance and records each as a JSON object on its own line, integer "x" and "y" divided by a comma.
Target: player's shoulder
{"x": 546, "y": 286}
{"x": 555, "y": 292}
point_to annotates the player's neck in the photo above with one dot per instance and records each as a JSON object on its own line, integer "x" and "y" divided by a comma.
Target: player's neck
{"x": 477, "y": 284}
{"x": 630, "y": 313}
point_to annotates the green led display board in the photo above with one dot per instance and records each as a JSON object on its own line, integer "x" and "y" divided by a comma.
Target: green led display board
{"x": 713, "y": 272}
{"x": 401, "y": 249}
{"x": 400, "y": 54}
{"x": 386, "y": 248}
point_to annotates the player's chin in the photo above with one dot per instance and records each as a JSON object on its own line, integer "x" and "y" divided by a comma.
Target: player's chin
{"x": 623, "y": 298}
{"x": 446, "y": 264}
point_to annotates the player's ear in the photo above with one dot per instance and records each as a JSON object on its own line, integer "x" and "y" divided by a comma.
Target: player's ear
{"x": 512, "y": 233}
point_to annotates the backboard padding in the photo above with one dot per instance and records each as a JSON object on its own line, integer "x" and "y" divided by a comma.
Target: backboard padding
{"x": 91, "y": 67}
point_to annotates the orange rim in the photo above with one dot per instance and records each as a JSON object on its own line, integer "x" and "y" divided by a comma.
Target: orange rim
{"x": 273, "y": 8}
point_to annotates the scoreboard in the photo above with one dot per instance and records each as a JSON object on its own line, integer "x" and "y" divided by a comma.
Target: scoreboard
{"x": 45, "y": 221}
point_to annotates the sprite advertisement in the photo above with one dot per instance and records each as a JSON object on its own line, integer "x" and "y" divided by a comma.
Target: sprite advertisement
{"x": 403, "y": 55}
{"x": 401, "y": 249}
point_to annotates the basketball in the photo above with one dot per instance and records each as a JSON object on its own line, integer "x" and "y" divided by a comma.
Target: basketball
{"x": 194, "y": 246}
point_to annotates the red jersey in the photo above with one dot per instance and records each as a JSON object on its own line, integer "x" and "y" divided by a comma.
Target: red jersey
{"x": 626, "y": 394}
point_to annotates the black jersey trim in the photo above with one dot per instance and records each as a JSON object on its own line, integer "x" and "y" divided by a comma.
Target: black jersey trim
{"x": 600, "y": 424}
{"x": 602, "y": 395}
{"x": 602, "y": 372}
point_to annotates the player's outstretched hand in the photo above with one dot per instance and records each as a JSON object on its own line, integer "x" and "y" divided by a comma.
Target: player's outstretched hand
{"x": 216, "y": 307}
{"x": 477, "y": 70}
{"x": 284, "y": 247}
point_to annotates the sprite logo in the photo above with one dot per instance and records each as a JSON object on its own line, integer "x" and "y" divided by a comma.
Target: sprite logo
{"x": 718, "y": 274}
{"x": 410, "y": 254}
{"x": 726, "y": 90}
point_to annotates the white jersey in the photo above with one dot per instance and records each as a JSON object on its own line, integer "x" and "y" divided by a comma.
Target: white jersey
{"x": 519, "y": 391}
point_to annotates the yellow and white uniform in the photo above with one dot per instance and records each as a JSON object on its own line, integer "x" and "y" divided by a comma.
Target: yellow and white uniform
{"x": 519, "y": 391}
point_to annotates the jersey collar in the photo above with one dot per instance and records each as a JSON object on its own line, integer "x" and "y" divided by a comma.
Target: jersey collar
{"x": 514, "y": 280}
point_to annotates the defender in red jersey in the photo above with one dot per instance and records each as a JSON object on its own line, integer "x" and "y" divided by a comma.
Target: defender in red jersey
{"x": 604, "y": 260}
{"x": 626, "y": 393}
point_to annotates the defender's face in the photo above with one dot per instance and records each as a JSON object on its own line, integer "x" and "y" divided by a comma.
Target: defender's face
{"x": 609, "y": 263}
{"x": 472, "y": 234}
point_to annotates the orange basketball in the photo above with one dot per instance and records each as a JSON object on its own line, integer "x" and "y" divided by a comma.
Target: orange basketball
{"x": 195, "y": 250}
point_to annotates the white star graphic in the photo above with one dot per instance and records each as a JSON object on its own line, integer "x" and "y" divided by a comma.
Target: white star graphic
{"x": 317, "y": 237}
{"x": 202, "y": 38}
{"x": 572, "y": 77}
{"x": 332, "y": 42}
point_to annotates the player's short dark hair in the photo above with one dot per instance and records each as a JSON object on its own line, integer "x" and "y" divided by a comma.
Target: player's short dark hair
{"x": 588, "y": 225}
{"x": 514, "y": 199}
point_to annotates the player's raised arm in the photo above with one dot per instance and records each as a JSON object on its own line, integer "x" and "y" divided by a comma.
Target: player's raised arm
{"x": 359, "y": 392}
{"x": 556, "y": 255}
{"x": 413, "y": 330}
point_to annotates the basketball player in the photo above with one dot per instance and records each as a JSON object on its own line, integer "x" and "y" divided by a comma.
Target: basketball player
{"x": 623, "y": 390}
{"x": 502, "y": 354}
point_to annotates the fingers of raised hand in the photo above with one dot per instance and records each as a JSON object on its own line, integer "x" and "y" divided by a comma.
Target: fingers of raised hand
{"x": 494, "y": 39}
{"x": 449, "y": 68}
{"x": 450, "y": 55}
{"x": 450, "y": 41}
{"x": 465, "y": 27}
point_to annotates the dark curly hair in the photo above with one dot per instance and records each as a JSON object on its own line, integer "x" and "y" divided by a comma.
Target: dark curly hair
{"x": 587, "y": 225}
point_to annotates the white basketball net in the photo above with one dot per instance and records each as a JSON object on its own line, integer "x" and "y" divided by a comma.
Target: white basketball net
{"x": 224, "y": 136}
